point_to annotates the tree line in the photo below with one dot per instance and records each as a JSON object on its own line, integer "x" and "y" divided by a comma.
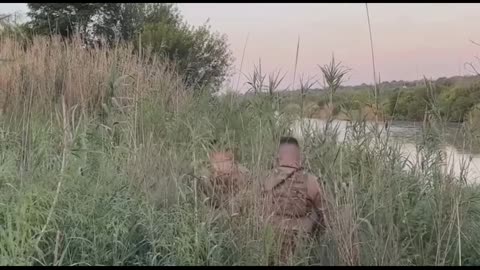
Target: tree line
{"x": 201, "y": 55}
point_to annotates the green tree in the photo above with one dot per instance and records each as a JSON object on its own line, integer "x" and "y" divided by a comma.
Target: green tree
{"x": 131, "y": 20}
{"x": 455, "y": 103}
{"x": 125, "y": 21}
{"x": 113, "y": 21}
{"x": 202, "y": 56}
{"x": 61, "y": 18}
{"x": 162, "y": 12}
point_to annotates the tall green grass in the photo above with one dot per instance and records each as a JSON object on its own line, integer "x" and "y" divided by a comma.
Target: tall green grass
{"x": 104, "y": 142}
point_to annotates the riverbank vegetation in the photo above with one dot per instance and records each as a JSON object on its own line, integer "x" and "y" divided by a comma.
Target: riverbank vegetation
{"x": 457, "y": 100}
{"x": 98, "y": 147}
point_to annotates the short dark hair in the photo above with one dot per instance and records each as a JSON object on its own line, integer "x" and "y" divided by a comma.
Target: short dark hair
{"x": 289, "y": 140}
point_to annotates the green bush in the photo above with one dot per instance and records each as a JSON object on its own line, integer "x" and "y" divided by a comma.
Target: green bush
{"x": 200, "y": 55}
{"x": 408, "y": 105}
{"x": 456, "y": 102}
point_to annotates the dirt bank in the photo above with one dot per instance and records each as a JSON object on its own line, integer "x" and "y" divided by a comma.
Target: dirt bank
{"x": 365, "y": 113}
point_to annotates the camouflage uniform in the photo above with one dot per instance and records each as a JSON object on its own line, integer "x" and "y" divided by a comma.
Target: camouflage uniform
{"x": 292, "y": 206}
{"x": 224, "y": 182}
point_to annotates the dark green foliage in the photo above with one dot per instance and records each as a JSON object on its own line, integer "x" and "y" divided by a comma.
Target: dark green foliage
{"x": 455, "y": 103}
{"x": 61, "y": 18}
{"x": 198, "y": 53}
{"x": 451, "y": 98}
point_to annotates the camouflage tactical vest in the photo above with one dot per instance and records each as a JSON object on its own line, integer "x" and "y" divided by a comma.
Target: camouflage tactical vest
{"x": 227, "y": 182}
{"x": 288, "y": 193}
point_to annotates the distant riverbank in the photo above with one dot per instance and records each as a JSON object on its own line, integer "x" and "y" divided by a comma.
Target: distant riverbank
{"x": 314, "y": 111}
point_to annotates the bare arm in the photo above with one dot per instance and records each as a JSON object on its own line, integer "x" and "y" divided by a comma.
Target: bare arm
{"x": 317, "y": 200}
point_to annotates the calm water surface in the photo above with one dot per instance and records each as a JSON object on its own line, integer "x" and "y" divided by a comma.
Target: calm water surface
{"x": 407, "y": 134}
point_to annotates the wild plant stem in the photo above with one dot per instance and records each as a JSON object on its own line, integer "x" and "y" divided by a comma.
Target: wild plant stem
{"x": 66, "y": 144}
{"x": 241, "y": 63}
{"x": 296, "y": 62}
{"x": 373, "y": 64}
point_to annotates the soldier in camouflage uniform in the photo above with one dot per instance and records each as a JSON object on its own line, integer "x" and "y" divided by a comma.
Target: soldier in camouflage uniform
{"x": 293, "y": 204}
{"x": 224, "y": 181}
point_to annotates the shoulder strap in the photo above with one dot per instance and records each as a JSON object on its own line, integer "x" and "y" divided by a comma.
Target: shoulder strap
{"x": 277, "y": 178}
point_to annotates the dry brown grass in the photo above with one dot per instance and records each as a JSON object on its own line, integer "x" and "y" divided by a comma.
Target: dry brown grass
{"x": 50, "y": 68}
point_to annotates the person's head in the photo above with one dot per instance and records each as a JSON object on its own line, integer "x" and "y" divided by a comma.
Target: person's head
{"x": 289, "y": 153}
{"x": 221, "y": 150}
{"x": 222, "y": 161}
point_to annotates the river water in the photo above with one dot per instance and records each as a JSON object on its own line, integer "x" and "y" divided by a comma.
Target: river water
{"x": 407, "y": 134}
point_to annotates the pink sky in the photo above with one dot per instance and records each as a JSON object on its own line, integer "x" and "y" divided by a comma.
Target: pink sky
{"x": 410, "y": 40}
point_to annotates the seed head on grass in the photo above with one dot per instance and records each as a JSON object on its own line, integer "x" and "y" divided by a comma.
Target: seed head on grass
{"x": 334, "y": 75}
{"x": 274, "y": 81}
{"x": 257, "y": 79}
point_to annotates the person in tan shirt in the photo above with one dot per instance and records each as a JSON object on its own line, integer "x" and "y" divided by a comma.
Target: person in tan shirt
{"x": 293, "y": 201}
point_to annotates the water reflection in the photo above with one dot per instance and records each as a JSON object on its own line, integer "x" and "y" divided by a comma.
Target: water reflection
{"x": 407, "y": 134}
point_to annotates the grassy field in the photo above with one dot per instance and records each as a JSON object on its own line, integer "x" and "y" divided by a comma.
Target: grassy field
{"x": 96, "y": 149}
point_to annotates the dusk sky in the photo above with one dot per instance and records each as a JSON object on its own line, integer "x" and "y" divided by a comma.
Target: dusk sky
{"x": 410, "y": 40}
